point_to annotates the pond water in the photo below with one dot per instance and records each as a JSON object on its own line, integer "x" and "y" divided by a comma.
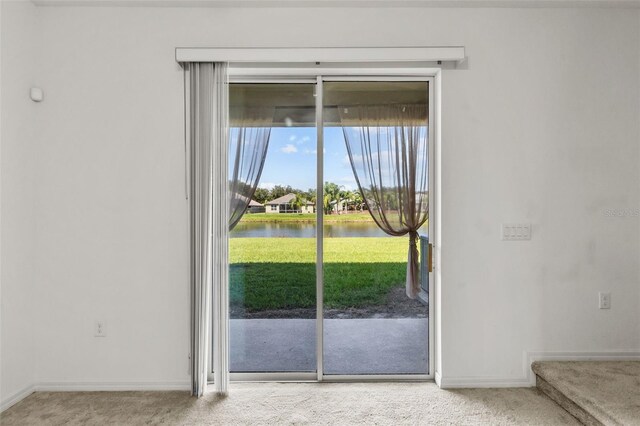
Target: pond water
{"x": 306, "y": 230}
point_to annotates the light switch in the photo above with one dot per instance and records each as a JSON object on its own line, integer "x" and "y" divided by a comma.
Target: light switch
{"x": 515, "y": 231}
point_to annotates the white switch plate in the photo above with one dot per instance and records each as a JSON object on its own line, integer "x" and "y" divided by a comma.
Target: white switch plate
{"x": 100, "y": 329}
{"x": 604, "y": 300}
{"x": 515, "y": 231}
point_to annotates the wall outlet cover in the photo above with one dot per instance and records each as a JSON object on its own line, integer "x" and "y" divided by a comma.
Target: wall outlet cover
{"x": 100, "y": 328}
{"x": 604, "y": 300}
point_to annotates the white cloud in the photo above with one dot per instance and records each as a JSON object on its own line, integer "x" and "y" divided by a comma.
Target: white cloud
{"x": 350, "y": 187}
{"x": 267, "y": 185}
{"x": 294, "y": 138}
{"x": 386, "y": 161}
{"x": 348, "y": 182}
{"x": 289, "y": 149}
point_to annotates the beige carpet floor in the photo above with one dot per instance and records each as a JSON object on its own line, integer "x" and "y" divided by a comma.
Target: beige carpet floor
{"x": 294, "y": 403}
{"x": 607, "y": 390}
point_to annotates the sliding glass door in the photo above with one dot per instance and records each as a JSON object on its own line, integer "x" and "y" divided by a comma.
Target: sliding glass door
{"x": 273, "y": 248}
{"x": 372, "y": 129}
{"x": 318, "y": 262}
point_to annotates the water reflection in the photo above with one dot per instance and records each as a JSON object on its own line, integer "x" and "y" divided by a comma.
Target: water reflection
{"x": 306, "y": 230}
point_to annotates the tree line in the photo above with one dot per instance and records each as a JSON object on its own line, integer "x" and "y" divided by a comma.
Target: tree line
{"x": 333, "y": 194}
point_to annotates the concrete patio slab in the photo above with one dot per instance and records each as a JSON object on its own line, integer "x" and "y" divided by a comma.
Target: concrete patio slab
{"x": 352, "y": 346}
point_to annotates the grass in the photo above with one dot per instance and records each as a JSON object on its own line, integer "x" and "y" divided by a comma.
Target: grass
{"x": 305, "y": 217}
{"x": 280, "y": 273}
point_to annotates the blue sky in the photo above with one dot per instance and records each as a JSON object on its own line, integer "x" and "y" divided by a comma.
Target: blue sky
{"x": 291, "y": 159}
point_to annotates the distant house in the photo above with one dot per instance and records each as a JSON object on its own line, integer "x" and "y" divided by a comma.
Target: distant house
{"x": 309, "y": 207}
{"x": 283, "y": 205}
{"x": 255, "y": 207}
{"x": 338, "y": 206}
{"x": 252, "y": 206}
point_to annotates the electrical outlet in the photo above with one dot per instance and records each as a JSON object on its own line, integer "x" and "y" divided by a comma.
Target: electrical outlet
{"x": 515, "y": 231}
{"x": 100, "y": 329}
{"x": 604, "y": 300}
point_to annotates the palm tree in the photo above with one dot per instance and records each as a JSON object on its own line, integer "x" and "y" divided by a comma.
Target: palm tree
{"x": 298, "y": 202}
{"x": 358, "y": 200}
{"x": 331, "y": 193}
{"x": 326, "y": 203}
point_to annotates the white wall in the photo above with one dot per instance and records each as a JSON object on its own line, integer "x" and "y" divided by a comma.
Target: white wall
{"x": 19, "y": 72}
{"x": 542, "y": 126}
{"x": 113, "y": 244}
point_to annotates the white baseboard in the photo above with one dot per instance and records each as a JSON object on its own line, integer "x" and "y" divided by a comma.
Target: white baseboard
{"x": 92, "y": 386}
{"x": 483, "y": 382}
{"x": 16, "y": 397}
{"x": 528, "y": 379}
{"x": 111, "y": 386}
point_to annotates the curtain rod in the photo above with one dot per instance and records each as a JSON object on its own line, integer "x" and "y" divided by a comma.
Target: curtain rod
{"x": 321, "y": 54}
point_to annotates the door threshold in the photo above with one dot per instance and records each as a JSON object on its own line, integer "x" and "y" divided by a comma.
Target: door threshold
{"x": 286, "y": 377}
{"x": 273, "y": 377}
{"x": 355, "y": 378}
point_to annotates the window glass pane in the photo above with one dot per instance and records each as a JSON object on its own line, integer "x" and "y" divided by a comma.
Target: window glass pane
{"x": 273, "y": 247}
{"x": 371, "y": 326}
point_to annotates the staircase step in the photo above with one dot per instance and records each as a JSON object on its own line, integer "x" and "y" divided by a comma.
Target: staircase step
{"x": 574, "y": 409}
{"x": 595, "y": 392}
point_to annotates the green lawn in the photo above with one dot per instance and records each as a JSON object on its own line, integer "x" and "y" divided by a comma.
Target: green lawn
{"x": 279, "y": 273}
{"x": 305, "y": 217}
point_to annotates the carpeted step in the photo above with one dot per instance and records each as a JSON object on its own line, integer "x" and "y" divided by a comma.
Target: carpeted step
{"x": 595, "y": 392}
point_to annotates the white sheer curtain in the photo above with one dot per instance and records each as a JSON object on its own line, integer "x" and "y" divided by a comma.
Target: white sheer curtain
{"x": 250, "y": 132}
{"x": 388, "y": 149}
{"x": 207, "y": 109}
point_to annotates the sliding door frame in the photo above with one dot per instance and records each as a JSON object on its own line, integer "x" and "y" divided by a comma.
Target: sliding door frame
{"x": 318, "y": 75}
{"x": 319, "y": 229}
